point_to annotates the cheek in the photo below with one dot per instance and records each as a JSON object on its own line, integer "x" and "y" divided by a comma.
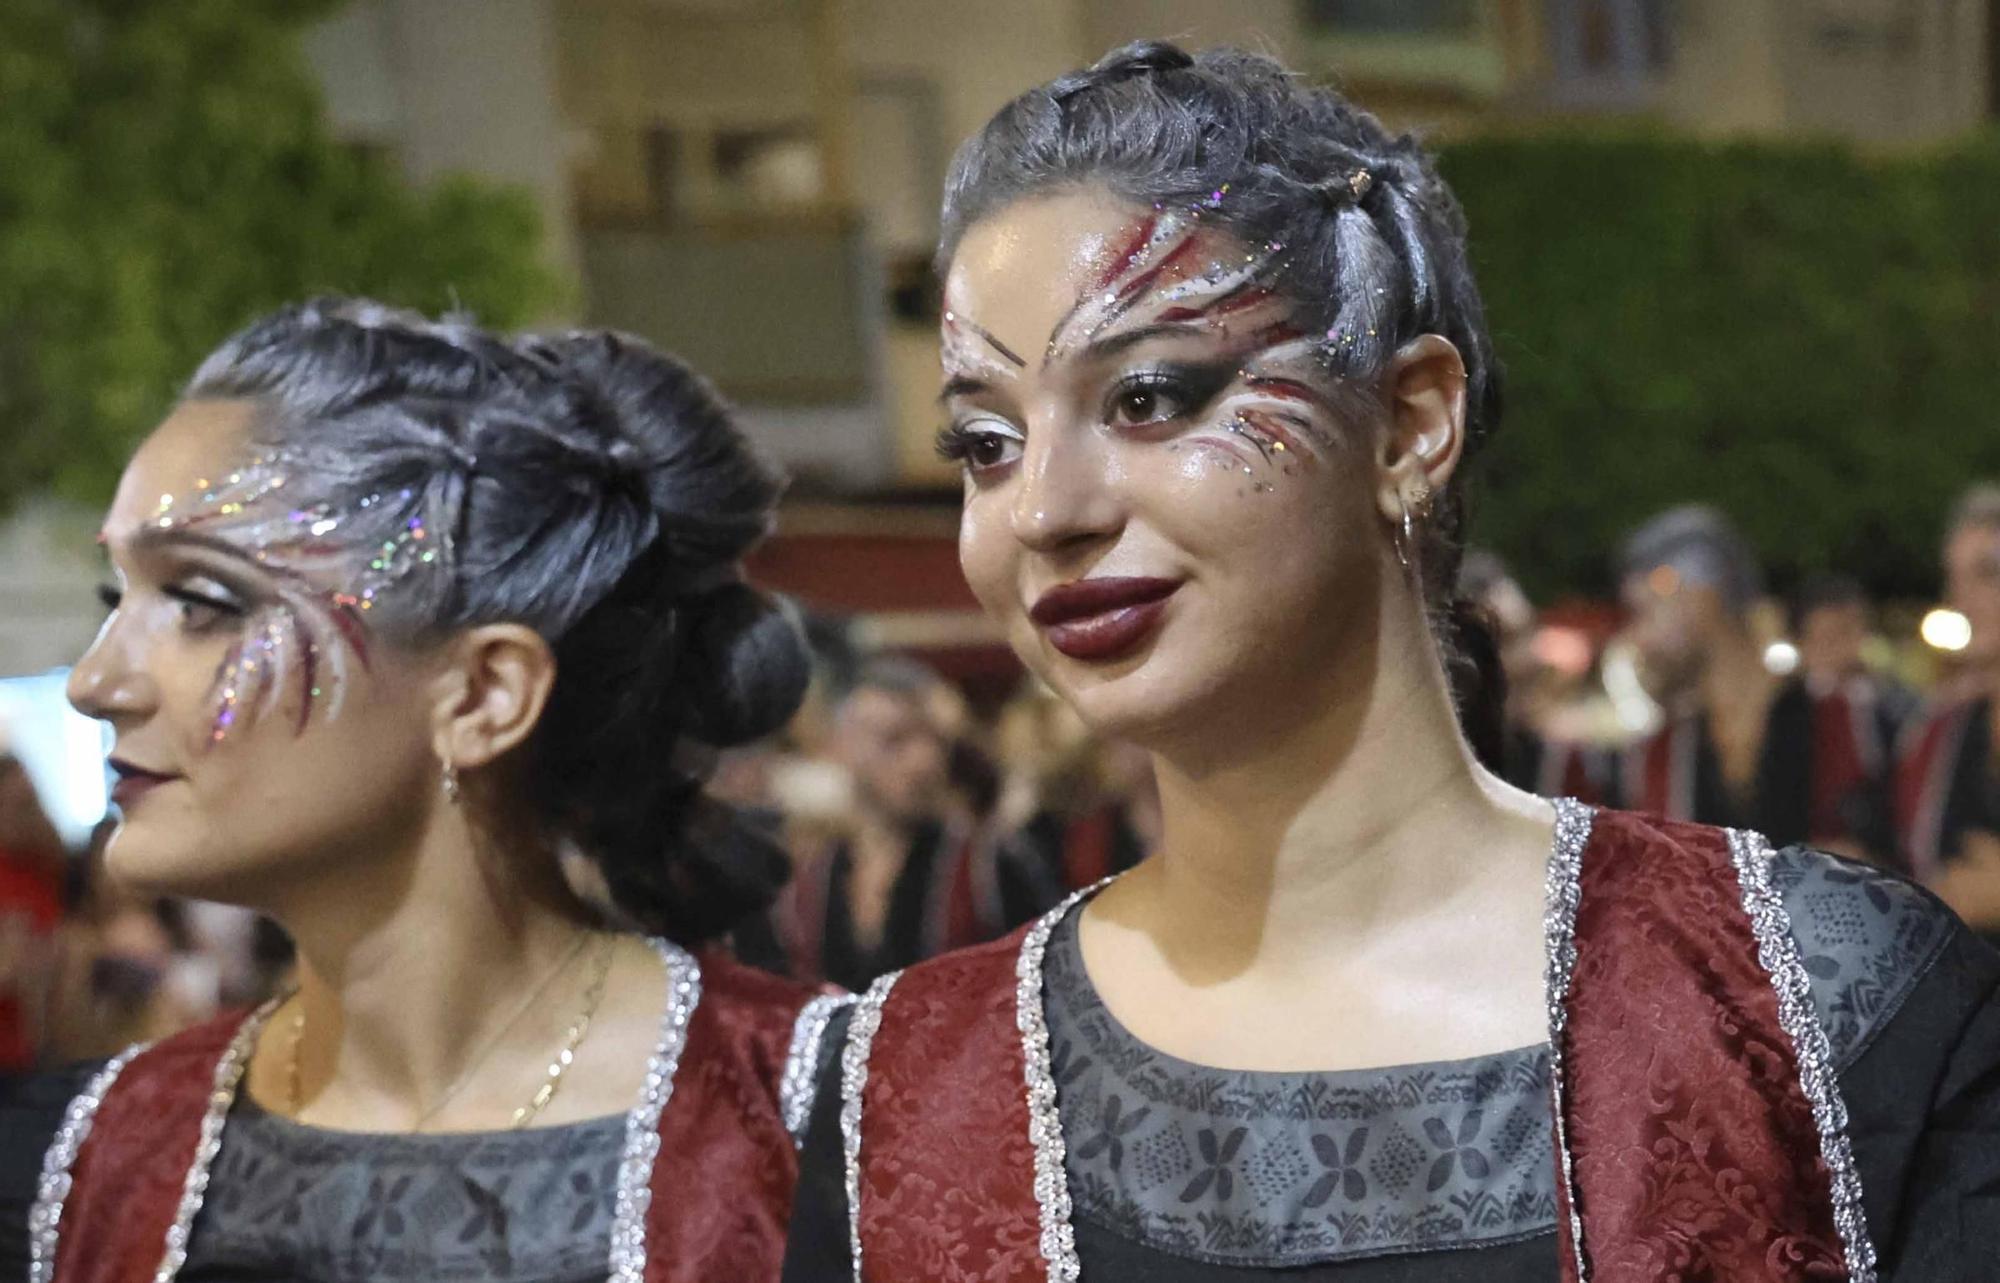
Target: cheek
{"x": 988, "y": 553}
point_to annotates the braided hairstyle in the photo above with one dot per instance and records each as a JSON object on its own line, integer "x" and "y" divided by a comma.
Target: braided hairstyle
{"x": 595, "y": 490}
{"x": 1373, "y": 240}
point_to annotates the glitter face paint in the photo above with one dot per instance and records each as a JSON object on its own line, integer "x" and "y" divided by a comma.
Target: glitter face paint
{"x": 301, "y": 644}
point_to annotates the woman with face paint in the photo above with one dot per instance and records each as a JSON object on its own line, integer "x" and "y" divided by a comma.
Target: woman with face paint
{"x": 1215, "y": 365}
{"x": 420, "y": 641}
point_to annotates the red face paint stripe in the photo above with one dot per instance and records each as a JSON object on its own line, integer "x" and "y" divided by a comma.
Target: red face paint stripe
{"x": 1272, "y": 428}
{"x": 1122, "y": 262}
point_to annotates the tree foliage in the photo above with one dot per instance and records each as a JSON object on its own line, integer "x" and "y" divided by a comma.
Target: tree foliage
{"x": 1804, "y": 336}
{"x": 165, "y": 175}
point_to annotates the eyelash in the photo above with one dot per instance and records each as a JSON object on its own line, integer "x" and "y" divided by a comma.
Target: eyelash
{"x": 957, "y": 442}
{"x": 188, "y": 600}
{"x": 1188, "y": 388}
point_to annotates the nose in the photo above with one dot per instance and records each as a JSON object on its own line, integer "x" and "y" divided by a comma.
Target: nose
{"x": 1069, "y": 494}
{"x": 107, "y": 684}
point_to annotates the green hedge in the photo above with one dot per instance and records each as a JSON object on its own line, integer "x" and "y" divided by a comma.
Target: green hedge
{"x": 165, "y": 175}
{"x": 1804, "y": 336}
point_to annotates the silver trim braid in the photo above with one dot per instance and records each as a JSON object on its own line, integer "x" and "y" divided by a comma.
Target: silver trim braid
{"x": 1564, "y": 894}
{"x": 642, "y": 1124}
{"x": 228, "y": 1074}
{"x": 799, "y": 1085}
{"x": 1778, "y": 952}
{"x": 1058, "y": 1239}
{"x": 853, "y": 1081}
{"x": 635, "y": 1172}
{"x": 45, "y": 1215}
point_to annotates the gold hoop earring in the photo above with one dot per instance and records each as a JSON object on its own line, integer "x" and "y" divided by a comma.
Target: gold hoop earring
{"x": 451, "y": 783}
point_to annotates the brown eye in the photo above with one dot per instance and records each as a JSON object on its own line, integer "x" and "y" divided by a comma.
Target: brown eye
{"x": 1149, "y": 398}
{"x": 980, "y": 444}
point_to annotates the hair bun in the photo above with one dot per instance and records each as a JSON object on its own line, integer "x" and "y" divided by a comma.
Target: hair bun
{"x": 752, "y": 653}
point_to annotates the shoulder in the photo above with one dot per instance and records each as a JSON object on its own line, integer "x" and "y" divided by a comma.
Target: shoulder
{"x": 1866, "y": 937}
{"x": 963, "y": 972}
{"x": 751, "y": 1009}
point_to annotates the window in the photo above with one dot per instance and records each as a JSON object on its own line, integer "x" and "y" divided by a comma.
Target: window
{"x": 1615, "y": 44}
{"x": 660, "y": 148}
{"x": 1392, "y": 17}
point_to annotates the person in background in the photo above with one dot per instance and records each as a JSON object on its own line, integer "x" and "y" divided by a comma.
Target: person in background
{"x": 894, "y": 885}
{"x": 1829, "y": 744}
{"x": 1213, "y": 365}
{"x": 1688, "y": 580}
{"x": 123, "y": 975}
{"x": 1074, "y": 809}
{"x": 31, "y": 876}
{"x": 408, "y": 621}
{"x": 1948, "y": 779}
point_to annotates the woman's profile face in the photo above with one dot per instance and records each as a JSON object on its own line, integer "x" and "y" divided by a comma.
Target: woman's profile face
{"x": 1165, "y": 503}
{"x": 260, "y": 723}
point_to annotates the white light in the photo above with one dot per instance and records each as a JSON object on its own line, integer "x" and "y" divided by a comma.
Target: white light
{"x": 1781, "y": 658}
{"x": 1946, "y": 630}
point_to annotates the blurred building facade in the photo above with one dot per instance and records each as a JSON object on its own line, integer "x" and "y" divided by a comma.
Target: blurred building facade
{"x": 753, "y": 183}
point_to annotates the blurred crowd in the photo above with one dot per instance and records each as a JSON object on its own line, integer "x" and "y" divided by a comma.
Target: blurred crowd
{"x": 919, "y": 823}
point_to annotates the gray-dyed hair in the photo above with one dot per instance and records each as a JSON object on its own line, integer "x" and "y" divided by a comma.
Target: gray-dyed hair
{"x": 1156, "y": 125}
{"x": 1703, "y": 545}
{"x": 587, "y": 486}
{"x": 1373, "y": 240}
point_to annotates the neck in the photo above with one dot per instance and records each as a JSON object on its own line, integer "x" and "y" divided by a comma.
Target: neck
{"x": 407, "y": 972}
{"x": 1309, "y": 839}
{"x": 1734, "y": 673}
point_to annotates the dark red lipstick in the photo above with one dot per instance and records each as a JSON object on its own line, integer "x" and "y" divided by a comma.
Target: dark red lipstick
{"x": 134, "y": 782}
{"x": 1098, "y": 619}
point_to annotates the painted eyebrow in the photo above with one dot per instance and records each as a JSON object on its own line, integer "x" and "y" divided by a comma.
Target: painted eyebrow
{"x": 1112, "y": 345}
{"x": 153, "y": 539}
{"x": 960, "y": 385}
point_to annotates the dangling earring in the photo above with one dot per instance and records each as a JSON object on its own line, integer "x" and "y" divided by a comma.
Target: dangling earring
{"x": 1407, "y": 536}
{"x": 451, "y": 783}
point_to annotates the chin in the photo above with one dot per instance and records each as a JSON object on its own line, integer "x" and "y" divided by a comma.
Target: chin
{"x": 1146, "y": 701}
{"x": 146, "y": 858}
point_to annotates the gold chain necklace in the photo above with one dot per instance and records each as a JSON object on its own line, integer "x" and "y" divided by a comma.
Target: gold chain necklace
{"x": 564, "y": 1058}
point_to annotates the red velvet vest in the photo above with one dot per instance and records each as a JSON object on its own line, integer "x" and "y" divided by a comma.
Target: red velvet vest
{"x": 1689, "y": 1145}
{"x": 722, "y": 1184}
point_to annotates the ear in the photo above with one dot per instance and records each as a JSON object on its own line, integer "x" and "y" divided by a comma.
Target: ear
{"x": 1425, "y": 392}
{"x": 490, "y": 693}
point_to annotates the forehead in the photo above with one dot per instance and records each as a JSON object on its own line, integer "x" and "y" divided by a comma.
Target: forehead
{"x": 878, "y": 709}
{"x": 1020, "y": 271}
{"x": 195, "y": 443}
{"x": 1976, "y": 542}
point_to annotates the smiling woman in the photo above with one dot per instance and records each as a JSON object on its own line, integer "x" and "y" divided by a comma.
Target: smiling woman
{"x": 420, "y": 640}
{"x": 1214, "y": 365}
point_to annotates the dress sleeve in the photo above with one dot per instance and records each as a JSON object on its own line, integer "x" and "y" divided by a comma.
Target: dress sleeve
{"x": 816, "y": 1248}
{"x": 31, "y": 1109}
{"x": 1924, "y": 1106}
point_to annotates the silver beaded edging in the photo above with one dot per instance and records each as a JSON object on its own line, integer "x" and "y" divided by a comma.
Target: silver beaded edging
{"x": 642, "y": 1124}
{"x": 1044, "y": 1118}
{"x": 45, "y": 1216}
{"x": 228, "y": 1073}
{"x": 800, "y": 1083}
{"x": 1778, "y": 952}
{"x": 853, "y": 1081}
{"x": 1564, "y": 894}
